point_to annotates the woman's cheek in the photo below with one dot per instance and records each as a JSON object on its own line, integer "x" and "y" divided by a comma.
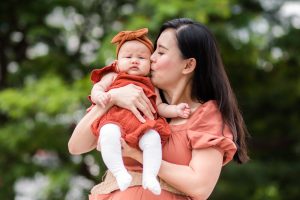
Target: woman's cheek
{"x": 161, "y": 69}
{"x": 159, "y": 77}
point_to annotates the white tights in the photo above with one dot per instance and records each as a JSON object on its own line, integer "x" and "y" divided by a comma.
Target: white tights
{"x": 150, "y": 144}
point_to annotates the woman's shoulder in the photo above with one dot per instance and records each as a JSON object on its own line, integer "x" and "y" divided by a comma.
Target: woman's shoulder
{"x": 208, "y": 129}
{"x": 200, "y": 115}
{"x": 206, "y": 112}
{"x": 207, "y": 122}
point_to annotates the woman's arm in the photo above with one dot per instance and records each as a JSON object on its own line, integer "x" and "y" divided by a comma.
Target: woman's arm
{"x": 82, "y": 139}
{"x": 129, "y": 97}
{"x": 197, "y": 180}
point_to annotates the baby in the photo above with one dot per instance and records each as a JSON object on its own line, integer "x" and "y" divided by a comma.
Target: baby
{"x": 132, "y": 67}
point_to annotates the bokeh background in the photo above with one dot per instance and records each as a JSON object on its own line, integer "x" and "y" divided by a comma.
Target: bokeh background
{"x": 49, "y": 47}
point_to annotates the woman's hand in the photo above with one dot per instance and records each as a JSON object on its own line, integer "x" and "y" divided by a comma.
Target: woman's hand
{"x": 133, "y": 98}
{"x": 128, "y": 151}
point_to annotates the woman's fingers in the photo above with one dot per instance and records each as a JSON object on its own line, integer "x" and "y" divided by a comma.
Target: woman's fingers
{"x": 144, "y": 108}
{"x": 102, "y": 101}
{"x": 124, "y": 146}
{"x": 134, "y": 99}
{"x": 145, "y": 99}
{"x": 138, "y": 115}
{"x": 123, "y": 143}
{"x": 108, "y": 97}
{"x": 143, "y": 104}
{"x": 128, "y": 151}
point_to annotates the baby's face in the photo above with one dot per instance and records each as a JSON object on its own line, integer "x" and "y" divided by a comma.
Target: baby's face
{"x": 134, "y": 58}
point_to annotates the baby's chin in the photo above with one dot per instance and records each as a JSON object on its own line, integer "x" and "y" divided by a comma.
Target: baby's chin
{"x": 136, "y": 73}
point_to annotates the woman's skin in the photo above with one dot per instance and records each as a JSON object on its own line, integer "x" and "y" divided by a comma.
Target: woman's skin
{"x": 172, "y": 74}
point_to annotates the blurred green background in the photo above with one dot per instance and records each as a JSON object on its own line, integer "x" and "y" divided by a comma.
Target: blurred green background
{"x": 49, "y": 47}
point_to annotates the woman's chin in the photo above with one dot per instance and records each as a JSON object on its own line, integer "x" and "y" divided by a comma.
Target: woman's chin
{"x": 153, "y": 79}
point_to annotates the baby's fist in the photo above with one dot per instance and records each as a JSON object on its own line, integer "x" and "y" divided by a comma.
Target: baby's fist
{"x": 103, "y": 99}
{"x": 183, "y": 110}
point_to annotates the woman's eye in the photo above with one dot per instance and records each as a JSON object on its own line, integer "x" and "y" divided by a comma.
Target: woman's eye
{"x": 160, "y": 53}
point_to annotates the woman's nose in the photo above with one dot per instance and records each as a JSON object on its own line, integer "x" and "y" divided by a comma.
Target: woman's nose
{"x": 152, "y": 58}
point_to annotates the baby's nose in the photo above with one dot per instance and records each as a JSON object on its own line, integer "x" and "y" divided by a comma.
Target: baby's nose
{"x": 134, "y": 60}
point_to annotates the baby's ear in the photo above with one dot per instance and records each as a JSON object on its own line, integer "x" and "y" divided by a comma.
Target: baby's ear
{"x": 190, "y": 65}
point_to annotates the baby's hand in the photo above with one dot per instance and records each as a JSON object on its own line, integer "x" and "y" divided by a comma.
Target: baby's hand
{"x": 102, "y": 99}
{"x": 183, "y": 110}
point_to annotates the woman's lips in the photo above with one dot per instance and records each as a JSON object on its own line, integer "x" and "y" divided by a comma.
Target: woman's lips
{"x": 151, "y": 73}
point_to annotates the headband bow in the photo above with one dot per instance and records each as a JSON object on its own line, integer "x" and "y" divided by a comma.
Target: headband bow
{"x": 139, "y": 35}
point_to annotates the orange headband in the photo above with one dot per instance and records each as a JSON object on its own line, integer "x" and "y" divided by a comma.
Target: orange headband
{"x": 139, "y": 35}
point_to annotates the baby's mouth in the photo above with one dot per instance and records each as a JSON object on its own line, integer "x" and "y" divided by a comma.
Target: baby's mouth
{"x": 134, "y": 68}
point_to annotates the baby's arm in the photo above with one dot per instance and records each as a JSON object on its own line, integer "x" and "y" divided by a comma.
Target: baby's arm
{"x": 171, "y": 111}
{"x": 98, "y": 94}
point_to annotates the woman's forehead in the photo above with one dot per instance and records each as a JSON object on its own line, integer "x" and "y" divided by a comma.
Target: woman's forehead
{"x": 167, "y": 38}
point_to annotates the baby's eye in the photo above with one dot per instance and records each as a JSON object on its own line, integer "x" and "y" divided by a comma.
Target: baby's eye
{"x": 141, "y": 58}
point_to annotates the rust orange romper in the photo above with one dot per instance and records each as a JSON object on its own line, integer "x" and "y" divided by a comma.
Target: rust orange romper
{"x": 131, "y": 128}
{"x": 203, "y": 129}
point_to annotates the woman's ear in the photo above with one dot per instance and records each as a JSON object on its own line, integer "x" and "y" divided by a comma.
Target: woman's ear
{"x": 190, "y": 65}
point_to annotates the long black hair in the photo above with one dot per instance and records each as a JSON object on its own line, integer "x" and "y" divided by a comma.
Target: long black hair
{"x": 210, "y": 81}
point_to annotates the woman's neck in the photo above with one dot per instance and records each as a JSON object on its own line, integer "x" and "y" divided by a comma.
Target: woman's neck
{"x": 179, "y": 93}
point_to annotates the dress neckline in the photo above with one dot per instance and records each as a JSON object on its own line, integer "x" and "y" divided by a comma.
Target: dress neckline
{"x": 191, "y": 118}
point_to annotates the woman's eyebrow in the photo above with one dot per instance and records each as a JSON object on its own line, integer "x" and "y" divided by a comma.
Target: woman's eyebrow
{"x": 161, "y": 46}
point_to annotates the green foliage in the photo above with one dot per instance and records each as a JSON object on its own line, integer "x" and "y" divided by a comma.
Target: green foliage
{"x": 49, "y": 95}
{"x": 48, "y": 49}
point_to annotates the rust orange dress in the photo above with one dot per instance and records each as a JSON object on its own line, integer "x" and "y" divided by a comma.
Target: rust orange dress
{"x": 203, "y": 129}
{"x": 131, "y": 128}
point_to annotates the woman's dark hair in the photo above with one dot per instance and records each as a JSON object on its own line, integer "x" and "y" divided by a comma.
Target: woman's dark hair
{"x": 210, "y": 81}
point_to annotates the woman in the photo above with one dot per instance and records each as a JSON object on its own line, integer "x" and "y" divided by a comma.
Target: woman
{"x": 186, "y": 67}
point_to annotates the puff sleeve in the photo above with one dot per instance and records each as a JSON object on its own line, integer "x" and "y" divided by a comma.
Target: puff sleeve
{"x": 208, "y": 130}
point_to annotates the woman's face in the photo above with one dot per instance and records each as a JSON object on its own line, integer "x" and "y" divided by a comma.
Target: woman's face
{"x": 167, "y": 62}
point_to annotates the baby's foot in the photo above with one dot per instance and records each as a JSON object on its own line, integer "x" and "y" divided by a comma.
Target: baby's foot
{"x": 151, "y": 183}
{"x": 124, "y": 180}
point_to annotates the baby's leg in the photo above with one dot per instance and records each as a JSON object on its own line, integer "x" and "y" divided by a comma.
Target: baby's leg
{"x": 110, "y": 146}
{"x": 151, "y": 145}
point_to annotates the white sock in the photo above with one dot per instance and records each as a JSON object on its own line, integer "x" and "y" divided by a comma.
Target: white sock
{"x": 150, "y": 143}
{"x": 110, "y": 145}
